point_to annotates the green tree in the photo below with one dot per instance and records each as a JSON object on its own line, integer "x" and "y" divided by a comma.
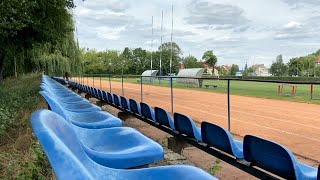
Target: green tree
{"x": 278, "y": 68}
{"x": 210, "y": 58}
{"x": 295, "y": 67}
{"x": 165, "y": 58}
{"x": 234, "y": 69}
{"x": 26, "y": 25}
{"x": 191, "y": 62}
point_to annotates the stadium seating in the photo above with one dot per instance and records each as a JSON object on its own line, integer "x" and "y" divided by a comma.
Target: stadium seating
{"x": 147, "y": 111}
{"x": 163, "y": 117}
{"x": 79, "y": 106}
{"x": 117, "y": 147}
{"x": 110, "y": 98}
{"x": 93, "y": 120}
{"x": 185, "y": 125}
{"x": 221, "y": 139}
{"x": 272, "y": 158}
{"x": 116, "y": 100}
{"x": 69, "y": 160}
{"x": 125, "y": 103}
{"x": 104, "y": 96}
{"x": 134, "y": 107}
{"x": 276, "y": 159}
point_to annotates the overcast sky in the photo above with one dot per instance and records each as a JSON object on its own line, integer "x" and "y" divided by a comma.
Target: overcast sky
{"x": 237, "y": 31}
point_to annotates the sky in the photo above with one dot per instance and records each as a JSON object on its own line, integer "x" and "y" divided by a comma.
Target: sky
{"x": 238, "y": 32}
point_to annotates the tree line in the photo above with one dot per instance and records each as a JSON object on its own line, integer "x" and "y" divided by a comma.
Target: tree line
{"x": 37, "y": 36}
{"x": 304, "y": 66}
{"x": 137, "y": 60}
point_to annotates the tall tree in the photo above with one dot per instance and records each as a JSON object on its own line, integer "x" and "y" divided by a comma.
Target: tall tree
{"x": 165, "y": 57}
{"x": 210, "y": 58}
{"x": 28, "y": 24}
{"x": 278, "y": 68}
{"x": 234, "y": 69}
{"x": 191, "y": 62}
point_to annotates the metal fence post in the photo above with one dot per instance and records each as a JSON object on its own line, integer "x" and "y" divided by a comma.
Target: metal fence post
{"x": 229, "y": 115}
{"x": 171, "y": 94}
{"x": 100, "y": 82}
{"x": 122, "y": 85}
{"x": 110, "y": 82}
{"x": 87, "y": 81}
{"x": 141, "y": 88}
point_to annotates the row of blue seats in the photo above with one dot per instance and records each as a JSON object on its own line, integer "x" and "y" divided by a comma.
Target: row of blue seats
{"x": 83, "y": 142}
{"x": 260, "y": 152}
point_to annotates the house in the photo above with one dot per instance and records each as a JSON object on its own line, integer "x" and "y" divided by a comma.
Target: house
{"x": 318, "y": 61}
{"x": 261, "y": 70}
{"x": 210, "y": 69}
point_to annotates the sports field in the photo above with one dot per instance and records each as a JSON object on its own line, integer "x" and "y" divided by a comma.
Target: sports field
{"x": 244, "y": 88}
{"x": 294, "y": 124}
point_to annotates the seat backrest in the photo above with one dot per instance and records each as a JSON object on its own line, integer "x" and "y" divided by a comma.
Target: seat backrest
{"x": 215, "y": 136}
{"x": 54, "y": 105}
{"x": 61, "y": 146}
{"x": 104, "y": 96}
{"x": 110, "y": 98}
{"x": 134, "y": 106}
{"x": 269, "y": 156}
{"x": 116, "y": 100}
{"x": 147, "y": 111}
{"x": 95, "y": 92}
{"x": 185, "y": 125}
{"x": 124, "y": 103}
{"x": 163, "y": 117}
{"x": 99, "y": 93}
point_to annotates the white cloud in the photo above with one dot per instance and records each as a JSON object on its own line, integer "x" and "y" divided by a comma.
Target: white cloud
{"x": 237, "y": 31}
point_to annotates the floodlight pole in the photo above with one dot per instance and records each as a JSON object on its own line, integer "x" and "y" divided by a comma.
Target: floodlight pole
{"x": 171, "y": 62}
{"x": 151, "y": 49}
{"x": 161, "y": 47}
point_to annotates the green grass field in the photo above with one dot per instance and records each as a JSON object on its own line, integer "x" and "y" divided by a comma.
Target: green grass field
{"x": 245, "y": 88}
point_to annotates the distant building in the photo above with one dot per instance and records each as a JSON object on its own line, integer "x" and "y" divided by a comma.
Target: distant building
{"x": 317, "y": 61}
{"x": 239, "y": 74}
{"x": 210, "y": 69}
{"x": 181, "y": 66}
{"x": 261, "y": 70}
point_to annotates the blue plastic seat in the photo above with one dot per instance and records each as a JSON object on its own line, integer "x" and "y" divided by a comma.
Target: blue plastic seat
{"x": 104, "y": 96}
{"x": 186, "y": 125}
{"x": 119, "y": 147}
{"x": 69, "y": 160}
{"x": 116, "y": 100}
{"x": 99, "y": 94}
{"x": 69, "y": 99}
{"x": 80, "y": 106}
{"x": 110, "y": 98}
{"x": 221, "y": 139}
{"x": 134, "y": 107}
{"x": 92, "y": 120}
{"x": 163, "y": 117}
{"x": 147, "y": 111}
{"x": 276, "y": 159}
{"x": 124, "y": 103}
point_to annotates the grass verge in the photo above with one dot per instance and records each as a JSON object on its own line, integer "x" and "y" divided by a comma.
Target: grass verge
{"x": 21, "y": 156}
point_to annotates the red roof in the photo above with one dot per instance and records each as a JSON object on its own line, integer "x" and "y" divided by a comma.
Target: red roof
{"x": 318, "y": 60}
